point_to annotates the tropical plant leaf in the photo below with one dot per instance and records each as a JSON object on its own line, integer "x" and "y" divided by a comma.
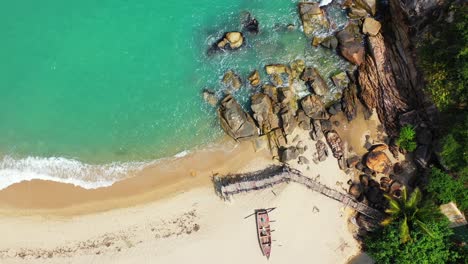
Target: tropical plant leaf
{"x": 404, "y": 231}
{"x": 404, "y": 194}
{"x": 414, "y": 199}
{"x": 387, "y": 221}
{"x": 424, "y": 228}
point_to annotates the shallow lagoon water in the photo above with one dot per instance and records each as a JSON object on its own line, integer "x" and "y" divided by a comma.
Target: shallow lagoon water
{"x": 93, "y": 89}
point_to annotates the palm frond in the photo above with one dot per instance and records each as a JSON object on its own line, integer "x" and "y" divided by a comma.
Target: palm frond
{"x": 404, "y": 231}
{"x": 387, "y": 221}
{"x": 404, "y": 194}
{"x": 424, "y": 227}
{"x": 414, "y": 199}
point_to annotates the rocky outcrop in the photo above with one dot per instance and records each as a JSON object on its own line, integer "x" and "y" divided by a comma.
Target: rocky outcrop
{"x": 313, "y": 107}
{"x": 351, "y": 47}
{"x": 262, "y": 108}
{"x": 317, "y": 132}
{"x": 236, "y": 122}
{"x": 251, "y": 25}
{"x": 289, "y": 154}
{"x": 231, "y": 40}
{"x": 314, "y": 20}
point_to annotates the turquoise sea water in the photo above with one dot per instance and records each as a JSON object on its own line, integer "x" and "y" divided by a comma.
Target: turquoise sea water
{"x": 92, "y": 83}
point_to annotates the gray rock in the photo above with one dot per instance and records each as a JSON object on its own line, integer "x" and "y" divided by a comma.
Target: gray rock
{"x": 326, "y": 125}
{"x": 289, "y": 154}
{"x": 235, "y": 121}
{"x": 424, "y": 136}
{"x": 422, "y": 155}
{"x": 303, "y": 160}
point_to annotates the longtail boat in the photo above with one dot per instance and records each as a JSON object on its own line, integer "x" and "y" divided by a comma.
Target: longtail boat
{"x": 263, "y": 231}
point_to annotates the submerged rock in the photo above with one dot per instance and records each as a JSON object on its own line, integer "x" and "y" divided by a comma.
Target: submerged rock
{"x": 210, "y": 97}
{"x": 236, "y": 122}
{"x": 262, "y": 108}
{"x": 254, "y": 78}
{"x": 231, "y": 80}
{"x": 313, "y": 107}
{"x": 371, "y": 26}
{"x": 251, "y": 25}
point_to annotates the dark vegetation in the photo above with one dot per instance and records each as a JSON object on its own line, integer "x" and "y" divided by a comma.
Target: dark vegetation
{"x": 416, "y": 231}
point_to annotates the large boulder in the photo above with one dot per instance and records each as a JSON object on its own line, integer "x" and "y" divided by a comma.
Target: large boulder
{"x": 351, "y": 48}
{"x": 371, "y": 26}
{"x": 340, "y": 80}
{"x": 231, "y": 80}
{"x": 263, "y": 112}
{"x": 335, "y": 143}
{"x": 235, "y": 121}
{"x": 231, "y": 40}
{"x": 378, "y": 161}
{"x": 313, "y": 107}
{"x": 314, "y": 19}
{"x": 279, "y": 74}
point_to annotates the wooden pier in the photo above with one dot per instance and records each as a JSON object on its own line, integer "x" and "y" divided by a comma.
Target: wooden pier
{"x": 230, "y": 185}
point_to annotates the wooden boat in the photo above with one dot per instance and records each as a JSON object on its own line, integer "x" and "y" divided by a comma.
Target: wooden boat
{"x": 263, "y": 231}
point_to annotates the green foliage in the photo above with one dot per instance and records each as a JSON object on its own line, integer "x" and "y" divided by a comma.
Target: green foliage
{"x": 385, "y": 248}
{"x": 407, "y": 138}
{"x": 410, "y": 213}
{"x": 444, "y": 57}
{"x": 444, "y": 188}
{"x": 455, "y": 144}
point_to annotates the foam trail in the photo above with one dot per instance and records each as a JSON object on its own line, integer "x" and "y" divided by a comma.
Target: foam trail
{"x": 64, "y": 170}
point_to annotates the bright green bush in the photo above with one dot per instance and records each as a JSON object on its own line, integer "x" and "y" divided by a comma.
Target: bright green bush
{"x": 384, "y": 246}
{"x": 444, "y": 188}
{"x": 407, "y": 138}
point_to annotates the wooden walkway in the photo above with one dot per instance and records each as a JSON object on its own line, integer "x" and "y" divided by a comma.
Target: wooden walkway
{"x": 227, "y": 187}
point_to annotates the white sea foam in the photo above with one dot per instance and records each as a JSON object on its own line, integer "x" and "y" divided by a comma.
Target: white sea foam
{"x": 64, "y": 170}
{"x": 325, "y": 2}
{"x": 182, "y": 154}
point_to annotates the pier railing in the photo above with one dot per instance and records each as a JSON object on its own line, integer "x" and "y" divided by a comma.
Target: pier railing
{"x": 230, "y": 185}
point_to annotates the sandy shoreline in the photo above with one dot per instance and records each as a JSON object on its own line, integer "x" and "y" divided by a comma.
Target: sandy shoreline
{"x": 169, "y": 213}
